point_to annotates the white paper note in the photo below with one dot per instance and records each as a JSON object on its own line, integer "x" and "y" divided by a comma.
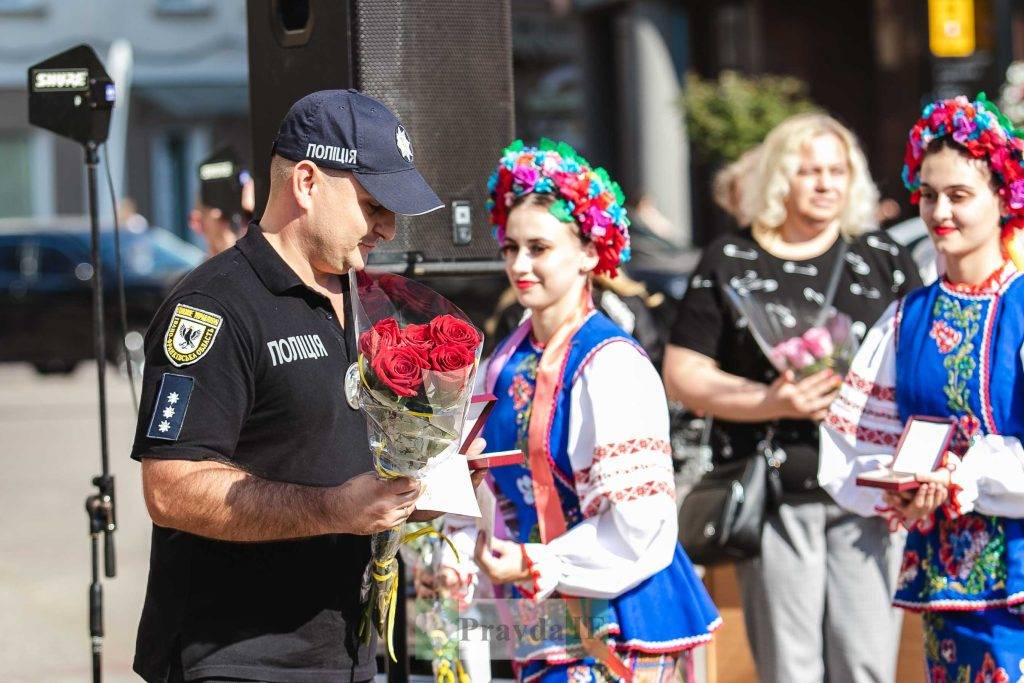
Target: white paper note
{"x": 448, "y": 488}
{"x": 488, "y": 503}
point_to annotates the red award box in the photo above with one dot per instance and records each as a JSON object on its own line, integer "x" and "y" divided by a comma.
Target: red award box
{"x": 923, "y": 443}
{"x": 480, "y": 407}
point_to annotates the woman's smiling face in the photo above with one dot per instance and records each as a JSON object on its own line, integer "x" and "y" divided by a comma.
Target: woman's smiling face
{"x": 544, "y": 258}
{"x": 958, "y": 203}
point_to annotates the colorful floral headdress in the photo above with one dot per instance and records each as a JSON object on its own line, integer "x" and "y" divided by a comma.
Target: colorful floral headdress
{"x": 986, "y": 134}
{"x": 584, "y": 194}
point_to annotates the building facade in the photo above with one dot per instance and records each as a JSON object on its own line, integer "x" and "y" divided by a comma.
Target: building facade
{"x": 186, "y": 84}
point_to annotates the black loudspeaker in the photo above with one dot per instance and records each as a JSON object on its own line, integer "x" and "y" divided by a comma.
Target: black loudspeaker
{"x": 444, "y": 66}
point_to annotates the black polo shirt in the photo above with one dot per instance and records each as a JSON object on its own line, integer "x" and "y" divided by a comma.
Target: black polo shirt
{"x": 245, "y": 363}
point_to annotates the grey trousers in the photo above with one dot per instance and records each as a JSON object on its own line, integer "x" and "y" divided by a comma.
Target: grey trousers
{"x": 817, "y": 602}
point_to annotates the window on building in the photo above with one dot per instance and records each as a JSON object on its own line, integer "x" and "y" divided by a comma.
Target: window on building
{"x": 173, "y": 179}
{"x": 15, "y": 175}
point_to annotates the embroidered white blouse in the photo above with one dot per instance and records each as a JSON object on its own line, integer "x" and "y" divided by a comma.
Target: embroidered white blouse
{"x": 619, "y": 448}
{"x": 863, "y": 427}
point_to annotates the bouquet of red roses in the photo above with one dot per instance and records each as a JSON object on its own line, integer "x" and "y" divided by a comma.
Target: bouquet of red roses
{"x": 418, "y": 355}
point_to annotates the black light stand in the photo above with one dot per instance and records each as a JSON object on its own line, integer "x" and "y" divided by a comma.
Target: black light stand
{"x": 72, "y": 95}
{"x": 100, "y": 505}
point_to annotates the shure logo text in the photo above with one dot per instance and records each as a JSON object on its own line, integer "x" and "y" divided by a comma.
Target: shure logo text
{"x": 74, "y": 79}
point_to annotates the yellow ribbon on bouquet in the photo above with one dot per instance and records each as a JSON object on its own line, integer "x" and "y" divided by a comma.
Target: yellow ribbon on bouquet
{"x": 387, "y": 570}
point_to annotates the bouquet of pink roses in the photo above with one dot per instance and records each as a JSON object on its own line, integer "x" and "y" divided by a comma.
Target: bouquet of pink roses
{"x": 418, "y": 355}
{"x": 796, "y": 335}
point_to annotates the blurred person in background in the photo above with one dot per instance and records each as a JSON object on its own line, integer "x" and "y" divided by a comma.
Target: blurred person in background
{"x": 225, "y": 203}
{"x": 951, "y": 350}
{"x": 816, "y": 601}
{"x": 129, "y": 218}
{"x": 732, "y": 184}
{"x": 593, "y": 514}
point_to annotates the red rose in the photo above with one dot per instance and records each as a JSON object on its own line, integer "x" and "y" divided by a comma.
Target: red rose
{"x": 400, "y": 368}
{"x": 417, "y": 336}
{"x": 452, "y": 366}
{"x": 447, "y": 329}
{"x": 448, "y": 357}
{"x": 383, "y": 335}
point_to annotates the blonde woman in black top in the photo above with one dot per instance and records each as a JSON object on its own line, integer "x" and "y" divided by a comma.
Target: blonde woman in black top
{"x": 816, "y": 602}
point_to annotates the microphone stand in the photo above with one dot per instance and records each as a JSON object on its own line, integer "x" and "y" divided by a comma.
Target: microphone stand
{"x": 100, "y": 505}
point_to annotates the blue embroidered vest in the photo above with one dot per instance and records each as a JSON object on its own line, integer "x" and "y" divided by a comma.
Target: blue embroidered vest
{"x": 958, "y": 355}
{"x": 508, "y": 426}
{"x": 637, "y": 619}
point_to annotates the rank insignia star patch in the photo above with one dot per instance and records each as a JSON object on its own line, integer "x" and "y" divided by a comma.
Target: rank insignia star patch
{"x": 190, "y": 335}
{"x": 169, "y": 409}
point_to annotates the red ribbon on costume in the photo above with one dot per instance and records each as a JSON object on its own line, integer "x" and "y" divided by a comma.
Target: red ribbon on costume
{"x": 550, "y": 517}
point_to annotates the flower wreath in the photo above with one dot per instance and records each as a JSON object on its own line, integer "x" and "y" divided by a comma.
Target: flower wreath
{"x": 987, "y": 134}
{"x": 585, "y": 195}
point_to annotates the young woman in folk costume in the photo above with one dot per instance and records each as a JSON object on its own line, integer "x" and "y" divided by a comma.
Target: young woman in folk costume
{"x": 592, "y": 513}
{"x": 953, "y": 348}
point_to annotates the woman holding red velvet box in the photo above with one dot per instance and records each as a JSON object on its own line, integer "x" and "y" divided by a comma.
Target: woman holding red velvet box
{"x": 590, "y": 517}
{"x": 952, "y": 349}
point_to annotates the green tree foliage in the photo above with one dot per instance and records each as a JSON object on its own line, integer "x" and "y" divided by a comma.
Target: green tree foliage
{"x": 728, "y": 116}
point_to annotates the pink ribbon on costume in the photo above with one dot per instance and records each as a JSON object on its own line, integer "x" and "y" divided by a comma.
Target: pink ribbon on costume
{"x": 550, "y": 517}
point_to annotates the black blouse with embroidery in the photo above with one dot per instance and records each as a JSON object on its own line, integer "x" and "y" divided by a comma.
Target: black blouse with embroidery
{"x": 876, "y": 271}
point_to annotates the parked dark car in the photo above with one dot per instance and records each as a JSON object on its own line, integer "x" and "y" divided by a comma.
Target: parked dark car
{"x": 45, "y": 288}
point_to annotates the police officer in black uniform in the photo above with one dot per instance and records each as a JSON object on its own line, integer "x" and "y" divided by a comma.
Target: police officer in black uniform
{"x": 256, "y": 472}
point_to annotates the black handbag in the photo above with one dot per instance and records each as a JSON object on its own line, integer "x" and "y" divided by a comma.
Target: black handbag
{"x": 722, "y": 516}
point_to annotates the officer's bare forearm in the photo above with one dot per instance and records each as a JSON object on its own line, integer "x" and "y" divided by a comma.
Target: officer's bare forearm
{"x": 215, "y": 500}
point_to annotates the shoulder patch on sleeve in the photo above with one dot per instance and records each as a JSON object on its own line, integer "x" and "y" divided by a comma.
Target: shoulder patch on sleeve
{"x": 171, "y": 404}
{"x": 190, "y": 334}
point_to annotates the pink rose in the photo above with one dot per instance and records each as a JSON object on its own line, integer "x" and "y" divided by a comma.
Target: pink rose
{"x": 1016, "y": 192}
{"x": 525, "y": 177}
{"x": 818, "y": 342}
{"x": 794, "y": 353}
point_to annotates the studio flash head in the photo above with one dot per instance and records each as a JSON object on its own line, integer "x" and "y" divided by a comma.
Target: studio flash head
{"x": 71, "y": 95}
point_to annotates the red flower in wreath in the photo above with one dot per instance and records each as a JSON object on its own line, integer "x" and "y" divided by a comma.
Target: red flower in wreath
{"x": 937, "y": 674}
{"x": 961, "y": 542}
{"x": 990, "y": 673}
